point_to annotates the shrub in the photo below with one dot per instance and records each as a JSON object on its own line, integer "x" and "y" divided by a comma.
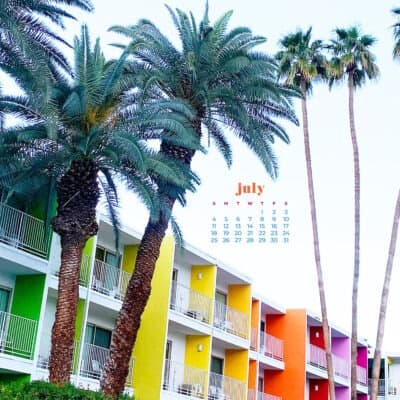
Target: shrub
{"x": 39, "y": 390}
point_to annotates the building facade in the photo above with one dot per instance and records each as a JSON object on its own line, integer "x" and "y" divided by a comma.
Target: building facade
{"x": 389, "y": 377}
{"x": 205, "y": 334}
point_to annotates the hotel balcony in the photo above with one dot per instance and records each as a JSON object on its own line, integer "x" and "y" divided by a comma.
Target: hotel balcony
{"x": 190, "y": 303}
{"x": 341, "y": 366}
{"x": 92, "y": 361}
{"x": 271, "y": 346}
{"x": 221, "y": 387}
{"x": 23, "y": 231}
{"x": 253, "y": 339}
{"x": 17, "y": 335}
{"x": 230, "y": 320}
{"x": 316, "y": 357}
{"x": 387, "y": 389}
{"x": 184, "y": 379}
{"x": 253, "y": 395}
{"x": 362, "y": 376}
{"x": 109, "y": 280}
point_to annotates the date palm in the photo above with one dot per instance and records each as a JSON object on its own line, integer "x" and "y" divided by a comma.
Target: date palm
{"x": 83, "y": 142}
{"x": 396, "y": 34}
{"x": 232, "y": 89}
{"x": 353, "y": 61}
{"x": 301, "y": 63}
{"x": 25, "y": 33}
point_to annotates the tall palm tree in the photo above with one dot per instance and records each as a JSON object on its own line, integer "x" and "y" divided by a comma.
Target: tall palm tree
{"x": 384, "y": 300}
{"x": 302, "y": 62}
{"x": 353, "y": 61}
{"x": 25, "y": 34}
{"x": 229, "y": 85}
{"x": 81, "y": 143}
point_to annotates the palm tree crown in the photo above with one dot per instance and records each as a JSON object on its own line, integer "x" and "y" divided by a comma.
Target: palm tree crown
{"x": 301, "y": 61}
{"x": 351, "y": 56}
{"x": 219, "y": 74}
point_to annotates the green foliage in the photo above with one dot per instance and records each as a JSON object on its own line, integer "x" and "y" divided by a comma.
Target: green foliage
{"x": 396, "y": 33}
{"x": 26, "y": 34}
{"x": 231, "y": 87}
{"x": 301, "y": 61}
{"x": 352, "y": 57}
{"x": 39, "y": 390}
{"x": 87, "y": 117}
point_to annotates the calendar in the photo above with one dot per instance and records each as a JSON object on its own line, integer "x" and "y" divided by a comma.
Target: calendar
{"x": 249, "y": 217}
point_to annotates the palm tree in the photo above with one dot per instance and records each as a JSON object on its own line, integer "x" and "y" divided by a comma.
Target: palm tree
{"x": 24, "y": 34}
{"x": 301, "y": 62}
{"x": 396, "y": 34}
{"x": 353, "y": 60}
{"x": 384, "y": 300}
{"x": 80, "y": 143}
{"x": 229, "y": 85}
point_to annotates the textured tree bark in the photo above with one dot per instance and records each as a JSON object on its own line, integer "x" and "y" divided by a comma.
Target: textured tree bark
{"x": 356, "y": 272}
{"x": 139, "y": 289}
{"x": 62, "y": 337}
{"x": 384, "y": 300}
{"x": 317, "y": 255}
{"x": 77, "y": 196}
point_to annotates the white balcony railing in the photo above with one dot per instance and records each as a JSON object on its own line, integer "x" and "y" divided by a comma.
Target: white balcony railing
{"x": 362, "y": 375}
{"x": 110, "y": 280}
{"x": 92, "y": 362}
{"x": 267, "y": 396}
{"x": 17, "y": 335}
{"x": 184, "y": 379}
{"x": 316, "y": 356}
{"x": 23, "y": 231}
{"x": 191, "y": 303}
{"x": 230, "y": 320}
{"x": 221, "y": 387}
{"x": 253, "y": 339}
{"x": 271, "y": 346}
{"x": 340, "y": 366}
{"x": 44, "y": 352}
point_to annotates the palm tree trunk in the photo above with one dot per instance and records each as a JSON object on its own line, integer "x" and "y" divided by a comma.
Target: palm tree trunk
{"x": 356, "y": 272}
{"x": 317, "y": 256}
{"x": 62, "y": 337}
{"x": 139, "y": 288}
{"x": 77, "y": 196}
{"x": 384, "y": 301}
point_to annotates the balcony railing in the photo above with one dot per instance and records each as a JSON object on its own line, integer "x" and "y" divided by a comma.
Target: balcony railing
{"x": 381, "y": 387}
{"x": 184, "y": 379}
{"x": 251, "y": 394}
{"x": 316, "y": 356}
{"x": 230, "y": 320}
{"x": 23, "y": 231}
{"x": 253, "y": 339}
{"x": 17, "y": 335}
{"x": 271, "y": 346}
{"x": 92, "y": 362}
{"x": 222, "y": 387}
{"x": 191, "y": 303}
{"x": 267, "y": 396}
{"x": 361, "y": 375}
{"x": 110, "y": 280}
{"x": 340, "y": 366}
{"x": 44, "y": 352}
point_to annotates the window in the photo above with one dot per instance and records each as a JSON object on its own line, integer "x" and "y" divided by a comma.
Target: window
{"x": 221, "y": 297}
{"x": 98, "y": 336}
{"x": 107, "y": 256}
{"x": 217, "y": 365}
{"x": 4, "y": 299}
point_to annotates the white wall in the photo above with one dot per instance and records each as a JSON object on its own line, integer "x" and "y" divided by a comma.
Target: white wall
{"x": 101, "y": 321}
{"x": 178, "y": 346}
{"x": 7, "y": 281}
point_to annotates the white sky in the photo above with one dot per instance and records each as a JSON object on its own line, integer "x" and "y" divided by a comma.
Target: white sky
{"x": 286, "y": 273}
